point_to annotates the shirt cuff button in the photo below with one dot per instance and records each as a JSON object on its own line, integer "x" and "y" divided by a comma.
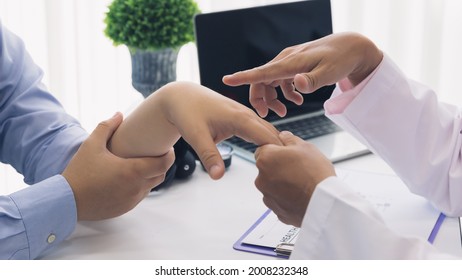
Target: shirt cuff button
{"x": 51, "y": 238}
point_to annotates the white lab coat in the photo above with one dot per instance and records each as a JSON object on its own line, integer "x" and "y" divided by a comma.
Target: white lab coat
{"x": 402, "y": 121}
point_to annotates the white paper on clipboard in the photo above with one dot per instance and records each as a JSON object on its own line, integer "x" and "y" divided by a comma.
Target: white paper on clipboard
{"x": 271, "y": 232}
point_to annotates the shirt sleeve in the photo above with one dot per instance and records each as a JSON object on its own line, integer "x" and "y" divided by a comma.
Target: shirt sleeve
{"x": 403, "y": 122}
{"x": 36, "y": 219}
{"x": 340, "y": 224}
{"x": 38, "y": 139}
{"x": 37, "y": 136}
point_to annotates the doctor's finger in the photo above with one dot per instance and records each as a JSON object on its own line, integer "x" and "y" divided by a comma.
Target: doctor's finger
{"x": 264, "y": 97}
{"x": 288, "y": 89}
{"x": 267, "y": 74}
{"x": 257, "y": 94}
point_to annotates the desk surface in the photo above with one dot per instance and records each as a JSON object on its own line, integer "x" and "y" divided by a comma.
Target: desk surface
{"x": 199, "y": 219}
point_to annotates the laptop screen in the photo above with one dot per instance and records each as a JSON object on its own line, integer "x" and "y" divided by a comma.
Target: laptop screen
{"x": 235, "y": 40}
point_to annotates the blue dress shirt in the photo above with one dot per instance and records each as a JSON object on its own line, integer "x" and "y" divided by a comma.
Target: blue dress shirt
{"x": 38, "y": 139}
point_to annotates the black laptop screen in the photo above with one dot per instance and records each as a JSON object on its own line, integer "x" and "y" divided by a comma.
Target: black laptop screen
{"x": 235, "y": 40}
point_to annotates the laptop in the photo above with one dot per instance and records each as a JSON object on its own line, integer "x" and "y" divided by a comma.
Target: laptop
{"x": 234, "y": 40}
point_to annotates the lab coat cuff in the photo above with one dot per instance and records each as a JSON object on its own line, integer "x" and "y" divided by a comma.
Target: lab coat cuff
{"x": 345, "y": 93}
{"x": 371, "y": 95}
{"x": 316, "y": 216}
{"x": 365, "y": 104}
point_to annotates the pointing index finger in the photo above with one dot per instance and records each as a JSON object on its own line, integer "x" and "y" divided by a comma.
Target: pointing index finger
{"x": 267, "y": 74}
{"x": 251, "y": 76}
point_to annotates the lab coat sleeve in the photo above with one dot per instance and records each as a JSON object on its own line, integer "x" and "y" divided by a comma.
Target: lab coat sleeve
{"x": 420, "y": 138}
{"x": 339, "y": 224}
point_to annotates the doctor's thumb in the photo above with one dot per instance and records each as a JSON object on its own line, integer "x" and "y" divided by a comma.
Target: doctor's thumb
{"x": 287, "y": 138}
{"x": 307, "y": 82}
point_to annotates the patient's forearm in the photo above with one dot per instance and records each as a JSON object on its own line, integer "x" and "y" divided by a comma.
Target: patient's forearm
{"x": 146, "y": 131}
{"x": 201, "y": 116}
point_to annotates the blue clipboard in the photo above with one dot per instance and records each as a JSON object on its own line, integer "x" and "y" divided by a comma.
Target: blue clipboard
{"x": 271, "y": 251}
{"x": 268, "y": 251}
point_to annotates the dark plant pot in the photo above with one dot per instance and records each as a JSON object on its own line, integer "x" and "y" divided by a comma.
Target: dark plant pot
{"x": 153, "y": 69}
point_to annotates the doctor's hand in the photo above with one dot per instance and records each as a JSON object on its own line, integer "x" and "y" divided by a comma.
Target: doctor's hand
{"x": 307, "y": 67}
{"x": 105, "y": 185}
{"x": 288, "y": 176}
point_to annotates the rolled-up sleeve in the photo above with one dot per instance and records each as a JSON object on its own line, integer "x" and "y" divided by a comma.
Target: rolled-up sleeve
{"x": 37, "y": 138}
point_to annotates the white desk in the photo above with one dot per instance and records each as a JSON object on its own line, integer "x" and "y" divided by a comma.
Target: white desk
{"x": 199, "y": 219}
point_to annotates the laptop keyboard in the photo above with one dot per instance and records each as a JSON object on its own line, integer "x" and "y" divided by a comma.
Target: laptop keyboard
{"x": 304, "y": 128}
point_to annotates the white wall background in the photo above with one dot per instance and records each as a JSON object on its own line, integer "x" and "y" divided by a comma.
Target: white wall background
{"x": 92, "y": 79}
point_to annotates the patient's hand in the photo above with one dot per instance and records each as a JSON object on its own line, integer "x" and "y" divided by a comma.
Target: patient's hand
{"x": 201, "y": 116}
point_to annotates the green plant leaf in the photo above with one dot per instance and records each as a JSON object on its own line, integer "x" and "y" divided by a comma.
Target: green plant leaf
{"x": 151, "y": 24}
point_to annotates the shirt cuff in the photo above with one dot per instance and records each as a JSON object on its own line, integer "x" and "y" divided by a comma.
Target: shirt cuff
{"x": 48, "y": 211}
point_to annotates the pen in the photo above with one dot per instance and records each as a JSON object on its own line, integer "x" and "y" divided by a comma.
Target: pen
{"x": 436, "y": 228}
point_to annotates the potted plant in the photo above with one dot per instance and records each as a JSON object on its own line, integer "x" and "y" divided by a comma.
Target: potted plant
{"x": 153, "y": 31}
